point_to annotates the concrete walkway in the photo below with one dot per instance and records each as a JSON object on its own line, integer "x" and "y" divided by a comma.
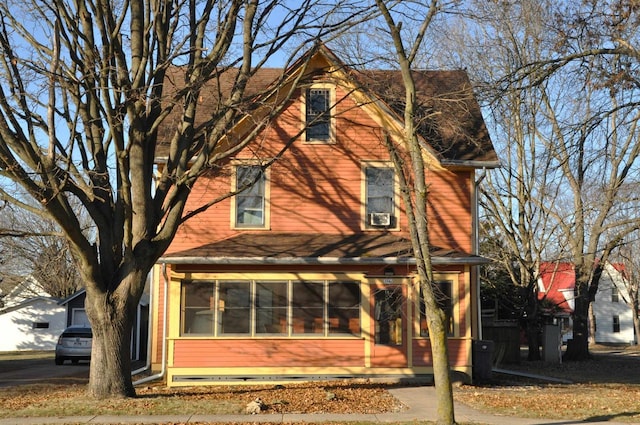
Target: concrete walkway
{"x": 420, "y": 400}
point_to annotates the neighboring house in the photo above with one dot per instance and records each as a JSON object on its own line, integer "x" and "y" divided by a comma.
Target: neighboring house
{"x": 309, "y": 273}
{"x": 613, "y": 316}
{"x": 30, "y": 318}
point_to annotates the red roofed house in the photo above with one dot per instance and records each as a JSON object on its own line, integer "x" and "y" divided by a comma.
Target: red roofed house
{"x": 613, "y": 316}
{"x": 309, "y": 273}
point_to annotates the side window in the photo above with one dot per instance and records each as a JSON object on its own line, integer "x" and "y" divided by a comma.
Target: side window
{"x": 250, "y": 202}
{"x": 616, "y": 324}
{"x": 615, "y": 296}
{"x": 318, "y": 115}
{"x": 379, "y": 197}
{"x": 443, "y": 295}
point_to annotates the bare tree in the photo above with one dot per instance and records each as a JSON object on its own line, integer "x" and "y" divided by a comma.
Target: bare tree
{"x": 412, "y": 171}
{"x": 569, "y": 78}
{"x": 84, "y": 89}
{"x": 35, "y": 246}
{"x": 514, "y": 197}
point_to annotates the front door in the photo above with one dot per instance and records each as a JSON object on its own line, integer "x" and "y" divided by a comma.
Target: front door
{"x": 389, "y": 327}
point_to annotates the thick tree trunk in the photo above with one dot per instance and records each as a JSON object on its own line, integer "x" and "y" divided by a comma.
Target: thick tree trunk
{"x": 533, "y": 326}
{"x": 112, "y": 316}
{"x": 578, "y": 347}
{"x": 533, "y": 340}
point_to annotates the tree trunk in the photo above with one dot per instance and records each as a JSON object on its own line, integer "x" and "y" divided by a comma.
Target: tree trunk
{"x": 112, "y": 316}
{"x": 578, "y": 347}
{"x": 591, "y": 338}
{"x": 636, "y": 326}
{"x": 533, "y": 339}
{"x": 441, "y": 367}
{"x": 533, "y": 326}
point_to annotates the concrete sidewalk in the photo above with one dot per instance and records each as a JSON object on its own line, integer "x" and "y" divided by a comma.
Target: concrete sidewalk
{"x": 420, "y": 401}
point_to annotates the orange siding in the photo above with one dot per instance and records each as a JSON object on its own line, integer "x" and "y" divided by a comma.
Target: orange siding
{"x": 316, "y": 188}
{"x": 459, "y": 350}
{"x": 269, "y": 353}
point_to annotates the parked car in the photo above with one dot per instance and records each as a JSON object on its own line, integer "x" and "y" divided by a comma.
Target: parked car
{"x": 74, "y": 344}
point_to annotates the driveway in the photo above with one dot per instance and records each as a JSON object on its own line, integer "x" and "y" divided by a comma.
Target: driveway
{"x": 38, "y": 369}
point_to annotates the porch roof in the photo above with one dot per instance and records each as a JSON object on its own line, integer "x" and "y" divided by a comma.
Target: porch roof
{"x": 301, "y": 248}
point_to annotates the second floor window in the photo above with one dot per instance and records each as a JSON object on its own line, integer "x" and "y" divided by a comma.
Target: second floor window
{"x": 250, "y": 202}
{"x": 615, "y": 297}
{"x": 379, "y": 197}
{"x": 318, "y": 116}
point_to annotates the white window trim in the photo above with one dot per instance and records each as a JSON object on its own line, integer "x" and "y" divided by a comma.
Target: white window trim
{"x": 267, "y": 197}
{"x": 332, "y": 109}
{"x": 364, "y": 220}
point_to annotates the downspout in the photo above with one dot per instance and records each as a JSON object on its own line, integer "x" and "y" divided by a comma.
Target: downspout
{"x": 476, "y": 247}
{"x": 149, "y": 332}
{"x": 164, "y": 333}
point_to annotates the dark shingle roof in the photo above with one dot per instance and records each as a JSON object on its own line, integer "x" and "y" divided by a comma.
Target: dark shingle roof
{"x": 261, "y": 248}
{"x": 449, "y": 117}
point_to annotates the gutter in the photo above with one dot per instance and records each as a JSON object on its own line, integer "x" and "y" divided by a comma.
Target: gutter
{"x": 160, "y": 374}
{"x": 476, "y": 246}
{"x": 472, "y": 164}
{"x": 149, "y": 333}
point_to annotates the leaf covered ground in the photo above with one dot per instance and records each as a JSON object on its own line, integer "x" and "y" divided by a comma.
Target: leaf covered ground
{"x": 315, "y": 397}
{"x": 604, "y": 388}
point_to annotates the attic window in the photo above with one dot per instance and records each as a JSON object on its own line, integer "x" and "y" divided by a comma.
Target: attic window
{"x": 318, "y": 115}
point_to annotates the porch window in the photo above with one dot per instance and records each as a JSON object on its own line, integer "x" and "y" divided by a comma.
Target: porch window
{"x": 344, "y": 308}
{"x": 271, "y": 307}
{"x": 250, "y": 202}
{"x": 379, "y": 197}
{"x": 197, "y": 308}
{"x": 318, "y": 115}
{"x": 307, "y": 307}
{"x": 261, "y": 308}
{"x": 442, "y": 289}
{"x": 234, "y": 307}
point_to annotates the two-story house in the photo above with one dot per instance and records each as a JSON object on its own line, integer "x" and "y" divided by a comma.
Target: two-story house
{"x": 612, "y": 314}
{"x": 309, "y": 272}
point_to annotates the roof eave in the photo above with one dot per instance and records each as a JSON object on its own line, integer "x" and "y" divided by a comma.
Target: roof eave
{"x": 436, "y": 260}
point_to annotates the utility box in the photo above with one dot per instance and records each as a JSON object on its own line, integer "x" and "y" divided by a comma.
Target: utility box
{"x": 482, "y": 360}
{"x": 551, "y": 344}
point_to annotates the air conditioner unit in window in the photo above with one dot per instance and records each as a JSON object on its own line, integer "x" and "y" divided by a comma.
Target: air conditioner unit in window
{"x": 380, "y": 219}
